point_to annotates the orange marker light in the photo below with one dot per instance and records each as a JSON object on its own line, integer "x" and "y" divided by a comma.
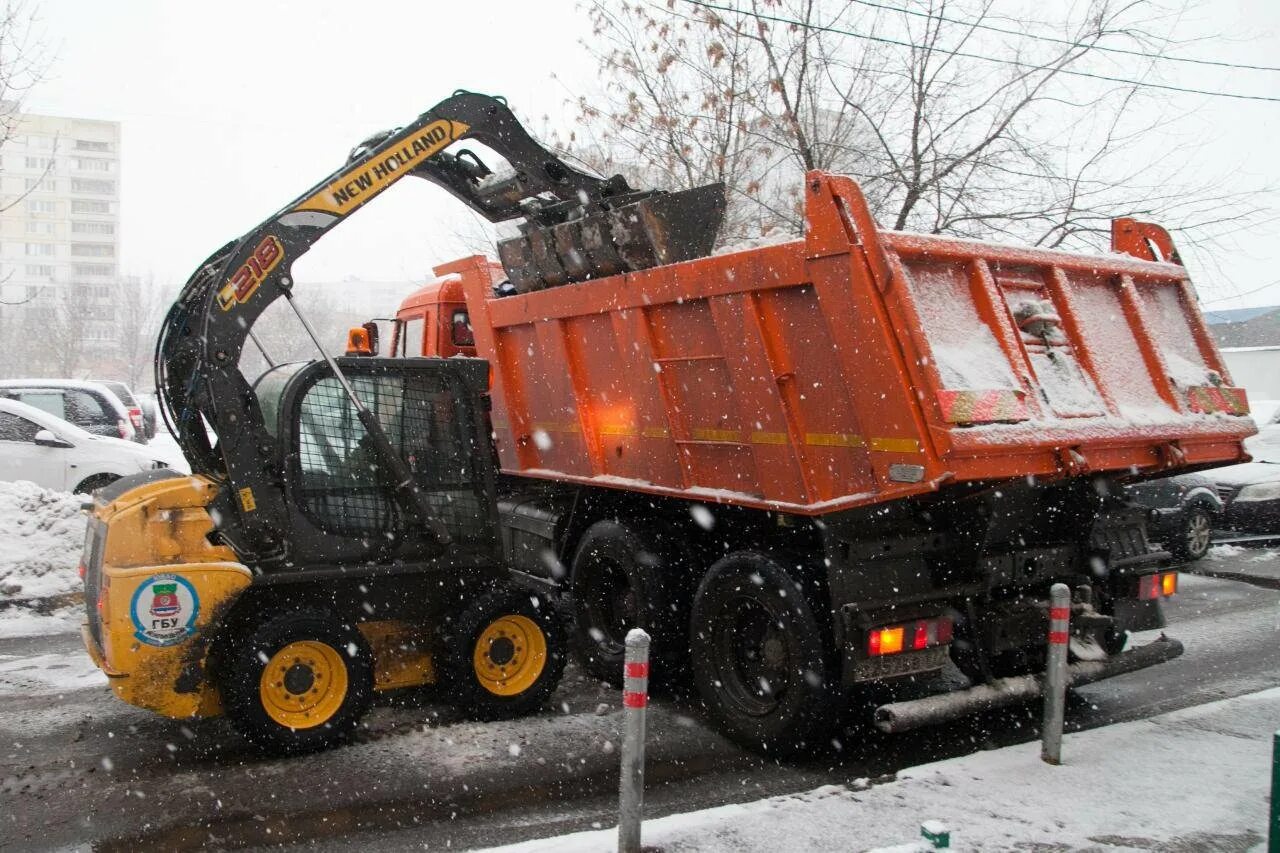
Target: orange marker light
{"x": 1169, "y": 583}
{"x": 890, "y": 640}
{"x": 358, "y": 342}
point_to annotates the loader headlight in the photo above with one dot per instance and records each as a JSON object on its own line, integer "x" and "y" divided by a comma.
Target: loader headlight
{"x": 1259, "y": 492}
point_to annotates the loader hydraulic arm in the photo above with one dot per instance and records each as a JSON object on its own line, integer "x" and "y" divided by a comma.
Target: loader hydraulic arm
{"x": 576, "y": 226}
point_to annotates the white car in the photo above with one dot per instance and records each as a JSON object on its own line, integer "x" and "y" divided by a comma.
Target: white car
{"x": 48, "y": 451}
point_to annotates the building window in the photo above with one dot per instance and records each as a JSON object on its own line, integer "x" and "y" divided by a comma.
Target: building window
{"x": 40, "y": 270}
{"x": 40, "y": 248}
{"x": 40, "y": 163}
{"x": 40, "y": 205}
{"x": 92, "y": 228}
{"x": 92, "y": 145}
{"x": 86, "y": 205}
{"x": 39, "y": 227}
{"x": 89, "y": 186}
{"x": 93, "y": 269}
{"x": 92, "y": 164}
{"x": 46, "y": 184}
{"x": 93, "y": 250}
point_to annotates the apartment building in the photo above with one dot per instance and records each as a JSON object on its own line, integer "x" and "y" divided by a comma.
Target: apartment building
{"x": 60, "y": 226}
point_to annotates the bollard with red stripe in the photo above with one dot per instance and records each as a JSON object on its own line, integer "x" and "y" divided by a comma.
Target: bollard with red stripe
{"x": 1055, "y": 674}
{"x": 635, "y": 698}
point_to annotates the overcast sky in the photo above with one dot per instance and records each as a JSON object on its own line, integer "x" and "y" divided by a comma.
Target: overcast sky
{"x": 230, "y": 109}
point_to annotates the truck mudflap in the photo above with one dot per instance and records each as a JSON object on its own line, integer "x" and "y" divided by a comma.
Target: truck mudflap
{"x": 916, "y": 713}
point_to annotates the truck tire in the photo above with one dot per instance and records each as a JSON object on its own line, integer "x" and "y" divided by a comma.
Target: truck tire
{"x": 760, "y": 660}
{"x": 296, "y": 682}
{"x": 618, "y": 582}
{"x": 503, "y": 654}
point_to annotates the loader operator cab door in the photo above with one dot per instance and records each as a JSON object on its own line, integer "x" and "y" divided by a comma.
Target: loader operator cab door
{"x": 340, "y": 503}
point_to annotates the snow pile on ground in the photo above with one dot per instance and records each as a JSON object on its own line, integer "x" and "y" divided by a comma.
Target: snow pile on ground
{"x": 41, "y": 535}
{"x": 48, "y": 675}
{"x": 1195, "y": 779}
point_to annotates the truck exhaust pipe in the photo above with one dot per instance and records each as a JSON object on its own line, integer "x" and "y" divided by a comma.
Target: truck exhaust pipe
{"x": 898, "y": 717}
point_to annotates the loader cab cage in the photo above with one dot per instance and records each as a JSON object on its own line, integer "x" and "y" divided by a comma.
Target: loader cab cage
{"x": 337, "y": 496}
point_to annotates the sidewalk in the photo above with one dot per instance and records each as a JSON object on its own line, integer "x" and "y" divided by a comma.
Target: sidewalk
{"x": 1258, "y": 566}
{"x": 1192, "y": 780}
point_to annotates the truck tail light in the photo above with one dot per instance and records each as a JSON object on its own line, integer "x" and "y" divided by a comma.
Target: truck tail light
{"x": 1160, "y": 585}
{"x": 909, "y": 636}
{"x": 135, "y": 418}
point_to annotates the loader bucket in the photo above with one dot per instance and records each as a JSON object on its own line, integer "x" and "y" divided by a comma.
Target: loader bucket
{"x": 661, "y": 229}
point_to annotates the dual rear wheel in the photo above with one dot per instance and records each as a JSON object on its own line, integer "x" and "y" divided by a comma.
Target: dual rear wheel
{"x": 753, "y": 642}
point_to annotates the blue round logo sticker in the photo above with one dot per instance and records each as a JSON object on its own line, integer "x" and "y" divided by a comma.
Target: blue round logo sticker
{"x": 164, "y": 610}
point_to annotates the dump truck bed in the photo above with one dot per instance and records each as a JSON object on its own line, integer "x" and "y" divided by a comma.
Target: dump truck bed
{"x": 856, "y": 366}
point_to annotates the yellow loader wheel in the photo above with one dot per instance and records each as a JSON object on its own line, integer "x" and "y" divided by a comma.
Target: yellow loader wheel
{"x": 503, "y": 654}
{"x": 296, "y": 682}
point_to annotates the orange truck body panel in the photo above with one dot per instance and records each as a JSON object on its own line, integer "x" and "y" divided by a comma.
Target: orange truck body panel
{"x": 855, "y": 366}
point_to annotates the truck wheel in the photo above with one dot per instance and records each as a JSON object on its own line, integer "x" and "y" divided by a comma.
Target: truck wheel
{"x": 759, "y": 659}
{"x": 617, "y": 584}
{"x": 1194, "y": 535}
{"x": 296, "y": 682}
{"x": 503, "y": 655}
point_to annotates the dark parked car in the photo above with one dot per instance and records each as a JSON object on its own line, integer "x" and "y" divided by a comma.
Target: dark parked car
{"x": 150, "y": 413}
{"x": 1184, "y": 511}
{"x": 89, "y": 405}
{"x": 136, "y": 413}
{"x": 1251, "y": 490}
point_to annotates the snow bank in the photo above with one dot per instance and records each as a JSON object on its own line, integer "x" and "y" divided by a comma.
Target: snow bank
{"x": 1194, "y": 779}
{"x": 48, "y": 675}
{"x": 41, "y": 534}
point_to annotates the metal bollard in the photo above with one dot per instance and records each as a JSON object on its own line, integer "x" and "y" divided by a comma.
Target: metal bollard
{"x": 635, "y": 697}
{"x": 1055, "y": 674}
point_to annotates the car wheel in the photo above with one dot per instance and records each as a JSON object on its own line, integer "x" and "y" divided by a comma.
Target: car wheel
{"x": 1195, "y": 534}
{"x": 90, "y": 484}
{"x": 758, "y": 657}
{"x": 296, "y": 682}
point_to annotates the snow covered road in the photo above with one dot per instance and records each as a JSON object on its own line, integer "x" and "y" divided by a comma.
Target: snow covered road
{"x": 77, "y": 766}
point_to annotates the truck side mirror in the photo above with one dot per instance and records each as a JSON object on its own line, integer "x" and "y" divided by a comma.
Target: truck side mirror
{"x": 45, "y": 438}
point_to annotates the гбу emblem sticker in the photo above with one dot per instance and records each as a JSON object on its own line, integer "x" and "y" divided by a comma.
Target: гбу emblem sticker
{"x": 164, "y": 610}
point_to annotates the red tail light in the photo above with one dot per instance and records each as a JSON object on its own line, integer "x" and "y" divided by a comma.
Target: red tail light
{"x": 135, "y": 418}
{"x": 1161, "y": 585}
{"x": 82, "y": 571}
{"x": 909, "y": 636}
{"x": 123, "y": 427}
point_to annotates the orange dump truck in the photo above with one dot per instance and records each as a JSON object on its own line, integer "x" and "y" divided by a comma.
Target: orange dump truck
{"x": 846, "y": 459}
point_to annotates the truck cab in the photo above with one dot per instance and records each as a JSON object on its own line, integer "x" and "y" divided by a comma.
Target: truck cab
{"x": 433, "y": 320}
